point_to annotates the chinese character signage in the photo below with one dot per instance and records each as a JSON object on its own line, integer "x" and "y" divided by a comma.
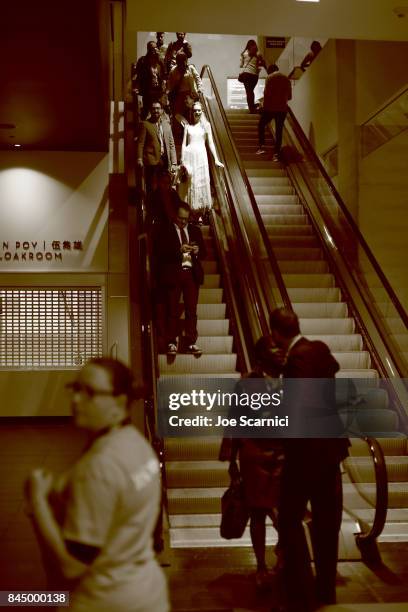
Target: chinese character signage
{"x": 38, "y": 250}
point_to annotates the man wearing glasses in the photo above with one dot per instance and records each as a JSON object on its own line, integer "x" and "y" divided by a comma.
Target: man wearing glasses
{"x": 108, "y": 501}
{"x": 178, "y": 248}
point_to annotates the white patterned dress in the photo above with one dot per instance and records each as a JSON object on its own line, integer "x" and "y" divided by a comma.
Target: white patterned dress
{"x": 197, "y": 190}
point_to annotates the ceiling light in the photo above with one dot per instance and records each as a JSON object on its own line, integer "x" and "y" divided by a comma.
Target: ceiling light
{"x": 16, "y": 145}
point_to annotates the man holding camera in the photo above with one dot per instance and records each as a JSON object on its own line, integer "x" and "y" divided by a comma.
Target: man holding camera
{"x": 178, "y": 250}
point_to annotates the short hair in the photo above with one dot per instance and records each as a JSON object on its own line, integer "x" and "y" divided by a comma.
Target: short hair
{"x": 150, "y": 43}
{"x": 158, "y": 33}
{"x": 121, "y": 377}
{"x": 285, "y": 322}
{"x": 184, "y": 206}
{"x": 156, "y": 101}
{"x": 262, "y": 348}
{"x": 181, "y": 57}
{"x": 272, "y": 68}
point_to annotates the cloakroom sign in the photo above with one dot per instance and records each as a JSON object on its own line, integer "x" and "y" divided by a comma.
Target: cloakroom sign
{"x": 38, "y": 250}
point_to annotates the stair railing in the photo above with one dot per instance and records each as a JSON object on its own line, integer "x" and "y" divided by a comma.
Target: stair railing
{"x": 280, "y": 295}
{"x": 366, "y": 539}
{"x": 144, "y": 357}
{"x": 386, "y": 123}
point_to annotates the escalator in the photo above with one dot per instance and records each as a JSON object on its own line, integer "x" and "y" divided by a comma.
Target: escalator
{"x": 253, "y": 267}
{"x": 332, "y": 310}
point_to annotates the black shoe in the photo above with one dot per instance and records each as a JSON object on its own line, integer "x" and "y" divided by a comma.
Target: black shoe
{"x": 172, "y": 349}
{"x": 195, "y": 350}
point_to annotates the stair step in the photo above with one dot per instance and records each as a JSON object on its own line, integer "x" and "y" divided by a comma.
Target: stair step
{"x": 365, "y": 495}
{"x": 210, "y": 296}
{"x": 298, "y": 242}
{"x": 323, "y": 310}
{"x": 281, "y": 190}
{"x": 268, "y": 211}
{"x": 268, "y": 179}
{"x": 350, "y": 360}
{"x": 207, "y": 363}
{"x": 213, "y": 327}
{"x": 364, "y": 374}
{"x": 198, "y": 449}
{"x": 308, "y": 281}
{"x": 298, "y": 253}
{"x": 340, "y": 342}
{"x": 209, "y": 537}
{"x": 303, "y": 267}
{"x": 270, "y": 200}
{"x": 210, "y": 311}
{"x": 197, "y": 474}
{"x": 257, "y": 164}
{"x": 269, "y": 171}
{"x": 285, "y": 219}
{"x": 211, "y": 281}
{"x": 314, "y": 294}
{"x": 327, "y": 326}
{"x": 290, "y": 231}
{"x": 209, "y": 267}
{"x": 215, "y": 345}
{"x": 362, "y": 469}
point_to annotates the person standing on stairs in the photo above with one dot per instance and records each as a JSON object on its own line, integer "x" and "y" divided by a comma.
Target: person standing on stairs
{"x": 196, "y": 191}
{"x": 156, "y": 151}
{"x": 277, "y": 93}
{"x": 250, "y": 65}
{"x": 260, "y": 459}
{"x": 178, "y": 248}
{"x": 311, "y": 470}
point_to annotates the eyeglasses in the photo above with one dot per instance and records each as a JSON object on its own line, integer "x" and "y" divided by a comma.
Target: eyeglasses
{"x": 83, "y": 389}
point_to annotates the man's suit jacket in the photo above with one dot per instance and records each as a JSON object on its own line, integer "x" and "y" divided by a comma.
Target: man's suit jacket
{"x": 148, "y": 144}
{"x": 167, "y": 256}
{"x": 310, "y": 399}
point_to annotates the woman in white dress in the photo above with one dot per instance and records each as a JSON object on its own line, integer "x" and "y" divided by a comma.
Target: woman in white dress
{"x": 196, "y": 190}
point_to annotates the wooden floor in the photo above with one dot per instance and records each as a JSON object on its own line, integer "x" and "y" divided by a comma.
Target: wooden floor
{"x": 214, "y": 580}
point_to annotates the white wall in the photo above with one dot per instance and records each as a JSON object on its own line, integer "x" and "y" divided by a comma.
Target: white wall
{"x": 220, "y": 52}
{"x": 315, "y": 99}
{"x": 49, "y": 196}
{"x": 382, "y": 71}
{"x": 384, "y": 210}
{"x": 382, "y": 184}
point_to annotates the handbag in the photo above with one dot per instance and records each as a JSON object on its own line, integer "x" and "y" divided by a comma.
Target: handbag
{"x": 234, "y": 511}
{"x": 241, "y": 77}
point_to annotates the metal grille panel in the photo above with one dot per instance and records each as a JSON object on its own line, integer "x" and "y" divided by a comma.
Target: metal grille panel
{"x": 50, "y": 327}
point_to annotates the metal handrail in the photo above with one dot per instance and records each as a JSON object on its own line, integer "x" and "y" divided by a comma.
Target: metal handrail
{"x": 366, "y": 541}
{"x": 265, "y": 238}
{"x": 388, "y": 103}
{"x": 355, "y": 229}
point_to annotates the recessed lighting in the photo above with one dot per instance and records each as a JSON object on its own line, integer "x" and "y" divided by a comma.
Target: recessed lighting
{"x": 16, "y": 145}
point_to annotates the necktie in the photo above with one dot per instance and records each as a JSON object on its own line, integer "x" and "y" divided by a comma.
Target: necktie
{"x": 160, "y": 136}
{"x": 183, "y": 234}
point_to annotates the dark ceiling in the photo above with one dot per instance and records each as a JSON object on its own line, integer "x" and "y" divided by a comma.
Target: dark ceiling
{"x": 54, "y": 75}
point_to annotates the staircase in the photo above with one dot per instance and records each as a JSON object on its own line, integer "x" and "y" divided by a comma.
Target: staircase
{"x": 322, "y": 315}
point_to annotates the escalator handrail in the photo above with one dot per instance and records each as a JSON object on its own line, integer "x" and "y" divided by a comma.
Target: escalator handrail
{"x": 355, "y": 229}
{"x": 386, "y": 105}
{"x": 265, "y": 238}
{"x": 381, "y": 488}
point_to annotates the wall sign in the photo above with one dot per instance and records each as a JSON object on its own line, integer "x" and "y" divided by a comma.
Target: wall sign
{"x": 38, "y": 250}
{"x": 275, "y": 42}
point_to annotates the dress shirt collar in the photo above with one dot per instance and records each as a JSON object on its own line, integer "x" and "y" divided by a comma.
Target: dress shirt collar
{"x": 293, "y": 342}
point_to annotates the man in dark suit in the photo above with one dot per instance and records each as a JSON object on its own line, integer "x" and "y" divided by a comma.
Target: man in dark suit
{"x": 156, "y": 151}
{"x": 312, "y": 466}
{"x": 178, "y": 248}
